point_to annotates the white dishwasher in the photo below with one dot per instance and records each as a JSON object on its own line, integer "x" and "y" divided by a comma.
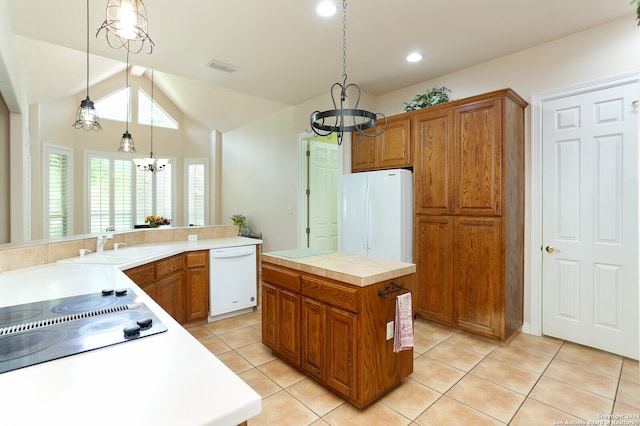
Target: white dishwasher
{"x": 232, "y": 281}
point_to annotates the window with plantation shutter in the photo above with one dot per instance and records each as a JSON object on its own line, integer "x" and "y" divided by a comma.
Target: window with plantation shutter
{"x": 58, "y": 192}
{"x": 197, "y": 176}
{"x": 154, "y": 193}
{"x": 163, "y": 192}
{"x": 144, "y": 196}
{"x": 121, "y": 196}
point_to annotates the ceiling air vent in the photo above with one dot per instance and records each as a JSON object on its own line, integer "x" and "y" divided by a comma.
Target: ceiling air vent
{"x": 219, "y": 65}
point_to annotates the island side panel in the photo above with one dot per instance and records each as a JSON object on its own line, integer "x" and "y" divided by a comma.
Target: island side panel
{"x": 381, "y": 369}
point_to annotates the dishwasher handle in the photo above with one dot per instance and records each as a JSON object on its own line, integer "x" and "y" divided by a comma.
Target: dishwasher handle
{"x": 232, "y": 252}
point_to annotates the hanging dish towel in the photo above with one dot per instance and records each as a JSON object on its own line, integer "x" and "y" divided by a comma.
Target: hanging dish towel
{"x": 403, "y": 332}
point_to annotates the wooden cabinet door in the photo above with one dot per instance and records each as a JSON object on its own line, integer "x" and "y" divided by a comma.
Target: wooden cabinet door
{"x": 341, "y": 351}
{"x": 363, "y": 152}
{"x": 170, "y": 294}
{"x": 196, "y": 293}
{"x": 434, "y": 267}
{"x": 313, "y": 337}
{"x": 393, "y": 146}
{"x": 433, "y": 162}
{"x": 478, "y": 158}
{"x": 289, "y": 323}
{"x": 390, "y": 149}
{"x": 270, "y": 324}
{"x": 196, "y": 299}
{"x": 477, "y": 277}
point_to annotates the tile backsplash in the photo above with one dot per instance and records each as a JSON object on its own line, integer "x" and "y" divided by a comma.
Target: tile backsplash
{"x": 17, "y": 256}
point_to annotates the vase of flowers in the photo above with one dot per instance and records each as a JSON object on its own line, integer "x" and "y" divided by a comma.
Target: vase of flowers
{"x": 156, "y": 221}
{"x": 240, "y": 221}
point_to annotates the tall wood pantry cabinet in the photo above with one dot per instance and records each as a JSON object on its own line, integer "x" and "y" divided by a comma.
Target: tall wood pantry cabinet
{"x": 468, "y": 159}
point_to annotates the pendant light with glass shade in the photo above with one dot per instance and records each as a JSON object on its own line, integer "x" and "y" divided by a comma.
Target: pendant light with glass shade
{"x": 341, "y": 120}
{"x": 87, "y": 117}
{"x": 151, "y": 163}
{"x": 126, "y": 26}
{"x": 126, "y": 143}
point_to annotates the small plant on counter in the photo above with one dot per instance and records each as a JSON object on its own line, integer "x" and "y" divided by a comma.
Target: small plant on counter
{"x": 437, "y": 95}
{"x": 637, "y": 11}
{"x": 239, "y": 220}
{"x": 155, "y": 221}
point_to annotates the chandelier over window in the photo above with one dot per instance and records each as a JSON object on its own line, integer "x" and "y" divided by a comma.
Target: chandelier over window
{"x": 341, "y": 120}
{"x": 151, "y": 163}
{"x": 126, "y": 143}
{"x": 87, "y": 116}
{"x": 126, "y": 25}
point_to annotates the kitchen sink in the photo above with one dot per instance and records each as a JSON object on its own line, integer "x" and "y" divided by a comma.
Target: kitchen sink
{"x": 120, "y": 256}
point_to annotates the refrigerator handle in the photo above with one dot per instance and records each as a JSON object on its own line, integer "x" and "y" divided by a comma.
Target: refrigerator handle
{"x": 363, "y": 224}
{"x": 367, "y": 217}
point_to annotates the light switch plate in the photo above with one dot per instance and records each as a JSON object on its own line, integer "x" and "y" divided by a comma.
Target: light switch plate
{"x": 390, "y": 330}
{"x": 193, "y": 237}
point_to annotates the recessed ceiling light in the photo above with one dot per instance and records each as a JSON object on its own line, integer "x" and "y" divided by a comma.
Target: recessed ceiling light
{"x": 326, "y": 8}
{"x": 414, "y": 57}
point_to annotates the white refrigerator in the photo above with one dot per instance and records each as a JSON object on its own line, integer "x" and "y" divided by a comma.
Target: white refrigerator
{"x": 377, "y": 214}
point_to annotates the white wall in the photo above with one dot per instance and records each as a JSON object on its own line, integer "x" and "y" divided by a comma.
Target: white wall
{"x": 260, "y": 177}
{"x": 602, "y": 51}
{"x": 15, "y": 98}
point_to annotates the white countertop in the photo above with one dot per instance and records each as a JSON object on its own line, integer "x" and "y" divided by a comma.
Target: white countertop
{"x": 164, "y": 379}
{"x": 167, "y": 249}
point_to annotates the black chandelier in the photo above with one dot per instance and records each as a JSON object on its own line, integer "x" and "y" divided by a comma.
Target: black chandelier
{"x": 341, "y": 120}
{"x": 126, "y": 25}
{"x": 87, "y": 116}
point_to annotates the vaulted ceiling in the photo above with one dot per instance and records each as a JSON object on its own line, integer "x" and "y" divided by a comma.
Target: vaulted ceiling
{"x": 285, "y": 52}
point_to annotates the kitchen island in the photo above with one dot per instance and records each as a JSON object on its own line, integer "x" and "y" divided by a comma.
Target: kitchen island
{"x": 162, "y": 379}
{"x": 330, "y": 315}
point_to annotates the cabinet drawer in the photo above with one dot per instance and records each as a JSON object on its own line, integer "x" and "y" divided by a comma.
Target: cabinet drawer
{"x": 196, "y": 259}
{"x": 142, "y": 275}
{"x": 330, "y": 293}
{"x": 281, "y": 277}
{"x": 168, "y": 265}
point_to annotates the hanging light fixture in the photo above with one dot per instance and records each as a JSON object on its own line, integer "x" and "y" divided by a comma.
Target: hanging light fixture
{"x": 87, "y": 117}
{"x": 126, "y": 26}
{"x": 126, "y": 143}
{"x": 151, "y": 163}
{"x": 341, "y": 120}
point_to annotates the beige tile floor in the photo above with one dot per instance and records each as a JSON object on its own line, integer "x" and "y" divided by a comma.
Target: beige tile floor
{"x": 457, "y": 380}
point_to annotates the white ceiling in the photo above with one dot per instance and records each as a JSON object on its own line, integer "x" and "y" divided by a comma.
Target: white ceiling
{"x": 286, "y": 53}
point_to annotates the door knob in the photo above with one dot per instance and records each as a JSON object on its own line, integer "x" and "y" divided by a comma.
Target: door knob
{"x": 549, "y": 249}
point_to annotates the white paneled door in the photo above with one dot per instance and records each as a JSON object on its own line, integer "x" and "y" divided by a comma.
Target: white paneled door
{"x": 590, "y": 219}
{"x": 323, "y": 198}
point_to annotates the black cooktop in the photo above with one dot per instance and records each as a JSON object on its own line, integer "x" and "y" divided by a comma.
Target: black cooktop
{"x": 37, "y": 332}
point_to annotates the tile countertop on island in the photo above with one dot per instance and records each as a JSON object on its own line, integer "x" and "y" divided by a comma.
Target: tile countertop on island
{"x": 348, "y": 268}
{"x": 164, "y": 379}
